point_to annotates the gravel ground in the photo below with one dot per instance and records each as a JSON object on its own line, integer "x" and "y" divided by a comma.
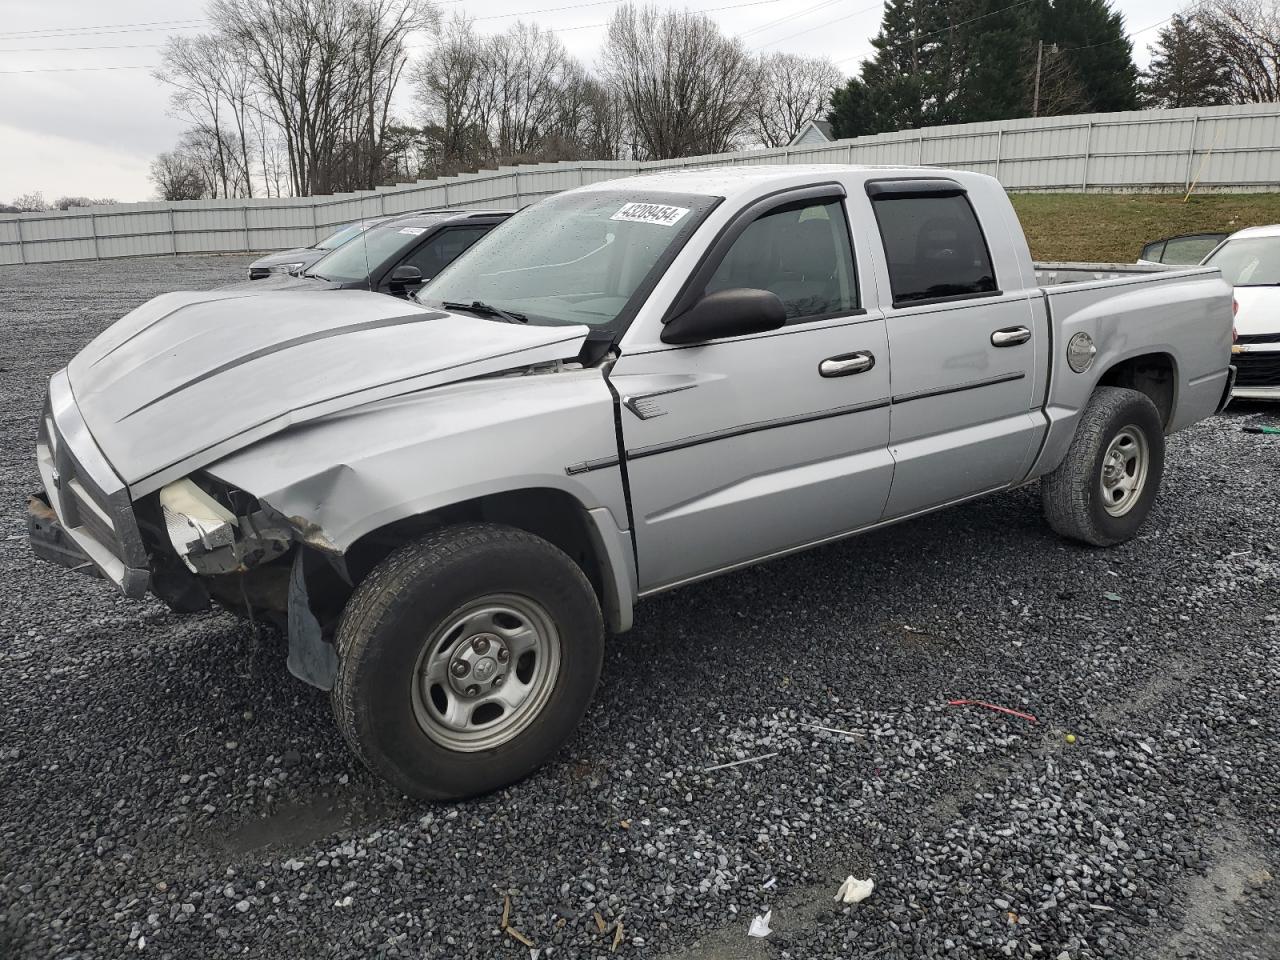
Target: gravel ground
{"x": 169, "y": 789}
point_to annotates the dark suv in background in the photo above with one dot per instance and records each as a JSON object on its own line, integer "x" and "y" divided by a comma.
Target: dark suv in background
{"x": 396, "y": 255}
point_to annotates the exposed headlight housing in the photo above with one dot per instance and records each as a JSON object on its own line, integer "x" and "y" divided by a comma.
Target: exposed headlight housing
{"x": 290, "y": 268}
{"x": 194, "y": 520}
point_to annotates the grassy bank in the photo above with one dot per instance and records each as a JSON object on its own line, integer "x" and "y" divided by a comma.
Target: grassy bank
{"x": 1113, "y": 227}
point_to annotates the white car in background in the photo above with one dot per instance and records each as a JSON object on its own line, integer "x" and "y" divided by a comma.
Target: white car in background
{"x": 1250, "y": 261}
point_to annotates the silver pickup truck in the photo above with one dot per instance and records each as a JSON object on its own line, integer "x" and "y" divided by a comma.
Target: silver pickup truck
{"x": 625, "y": 388}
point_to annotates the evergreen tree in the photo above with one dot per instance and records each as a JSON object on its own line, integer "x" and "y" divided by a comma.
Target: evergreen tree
{"x": 960, "y": 61}
{"x": 1091, "y": 35}
{"x": 1186, "y": 68}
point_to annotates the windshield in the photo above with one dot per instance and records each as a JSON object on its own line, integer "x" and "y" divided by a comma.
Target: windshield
{"x": 353, "y": 261}
{"x": 1248, "y": 262}
{"x": 574, "y": 257}
{"x": 336, "y": 239}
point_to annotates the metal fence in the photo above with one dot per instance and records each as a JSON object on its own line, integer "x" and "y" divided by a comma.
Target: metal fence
{"x": 1234, "y": 148}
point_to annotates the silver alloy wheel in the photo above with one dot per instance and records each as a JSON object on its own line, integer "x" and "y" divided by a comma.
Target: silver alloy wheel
{"x": 486, "y": 673}
{"x": 1124, "y": 471}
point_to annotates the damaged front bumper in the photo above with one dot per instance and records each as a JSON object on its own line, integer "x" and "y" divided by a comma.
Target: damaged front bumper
{"x": 85, "y": 512}
{"x": 51, "y": 542}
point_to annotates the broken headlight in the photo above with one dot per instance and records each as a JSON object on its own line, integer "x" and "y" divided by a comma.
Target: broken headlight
{"x": 195, "y": 521}
{"x": 212, "y": 539}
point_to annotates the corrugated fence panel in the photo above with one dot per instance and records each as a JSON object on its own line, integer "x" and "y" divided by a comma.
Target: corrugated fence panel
{"x": 137, "y": 245}
{"x": 1221, "y": 148}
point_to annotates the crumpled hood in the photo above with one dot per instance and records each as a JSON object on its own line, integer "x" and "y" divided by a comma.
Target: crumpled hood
{"x": 190, "y": 377}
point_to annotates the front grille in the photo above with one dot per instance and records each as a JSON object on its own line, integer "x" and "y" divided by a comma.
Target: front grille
{"x": 1257, "y": 369}
{"x": 1258, "y": 338}
{"x": 91, "y": 502}
{"x": 259, "y": 273}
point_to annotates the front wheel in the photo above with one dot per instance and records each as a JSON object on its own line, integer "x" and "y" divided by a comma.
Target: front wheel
{"x": 1104, "y": 488}
{"x": 466, "y": 659}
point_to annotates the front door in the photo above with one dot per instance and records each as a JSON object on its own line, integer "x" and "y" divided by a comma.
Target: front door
{"x": 749, "y": 446}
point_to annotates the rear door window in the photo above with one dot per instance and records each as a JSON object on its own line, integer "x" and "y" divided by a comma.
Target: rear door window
{"x": 934, "y": 247}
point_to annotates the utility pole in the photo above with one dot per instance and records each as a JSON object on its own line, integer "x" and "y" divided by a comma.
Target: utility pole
{"x": 1035, "y": 98}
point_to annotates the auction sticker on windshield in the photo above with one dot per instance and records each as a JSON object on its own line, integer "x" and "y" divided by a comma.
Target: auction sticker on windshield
{"x": 658, "y": 213}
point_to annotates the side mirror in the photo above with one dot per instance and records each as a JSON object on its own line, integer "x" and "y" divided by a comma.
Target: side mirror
{"x": 727, "y": 313}
{"x": 403, "y": 277}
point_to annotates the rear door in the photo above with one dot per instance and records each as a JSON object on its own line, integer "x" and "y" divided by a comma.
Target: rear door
{"x": 752, "y": 445}
{"x": 963, "y": 350}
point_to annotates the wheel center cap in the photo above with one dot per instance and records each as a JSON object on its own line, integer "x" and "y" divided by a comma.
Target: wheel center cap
{"x": 484, "y": 668}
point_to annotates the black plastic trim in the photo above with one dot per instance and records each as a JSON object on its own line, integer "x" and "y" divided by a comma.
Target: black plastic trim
{"x": 756, "y": 427}
{"x": 899, "y": 188}
{"x": 952, "y": 298}
{"x": 586, "y": 466}
{"x": 971, "y": 385}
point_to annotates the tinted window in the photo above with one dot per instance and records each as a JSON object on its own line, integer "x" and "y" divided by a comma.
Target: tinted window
{"x": 800, "y": 253}
{"x": 934, "y": 248}
{"x": 1188, "y": 251}
{"x": 1249, "y": 261}
{"x": 353, "y": 260}
{"x": 442, "y": 249}
{"x": 338, "y": 238}
{"x": 1153, "y": 252}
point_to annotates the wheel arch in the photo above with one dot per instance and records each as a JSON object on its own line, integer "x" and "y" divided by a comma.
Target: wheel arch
{"x": 1154, "y": 374}
{"x": 588, "y": 536}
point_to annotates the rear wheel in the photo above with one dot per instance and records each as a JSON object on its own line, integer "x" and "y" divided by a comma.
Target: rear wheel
{"x": 1104, "y": 488}
{"x": 466, "y": 660}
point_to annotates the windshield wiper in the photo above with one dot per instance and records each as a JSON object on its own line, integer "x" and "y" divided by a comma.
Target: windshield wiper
{"x": 486, "y": 310}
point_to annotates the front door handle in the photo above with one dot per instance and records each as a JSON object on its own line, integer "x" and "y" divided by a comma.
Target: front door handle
{"x": 847, "y": 364}
{"x": 1010, "y": 337}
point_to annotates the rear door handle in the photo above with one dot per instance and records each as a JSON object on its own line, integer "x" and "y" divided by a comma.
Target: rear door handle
{"x": 847, "y": 364}
{"x": 1010, "y": 337}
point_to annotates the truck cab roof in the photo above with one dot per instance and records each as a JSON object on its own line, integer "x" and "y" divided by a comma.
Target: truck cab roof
{"x": 745, "y": 182}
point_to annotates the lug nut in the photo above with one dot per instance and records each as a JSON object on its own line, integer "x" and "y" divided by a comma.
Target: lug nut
{"x": 497, "y": 681}
{"x": 460, "y": 668}
{"x": 473, "y": 691}
{"x": 480, "y": 644}
{"x": 503, "y": 654}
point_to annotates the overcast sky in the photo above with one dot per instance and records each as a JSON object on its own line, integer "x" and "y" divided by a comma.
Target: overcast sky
{"x": 66, "y": 129}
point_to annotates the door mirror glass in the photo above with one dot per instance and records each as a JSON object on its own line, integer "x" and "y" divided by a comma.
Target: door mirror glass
{"x": 727, "y": 313}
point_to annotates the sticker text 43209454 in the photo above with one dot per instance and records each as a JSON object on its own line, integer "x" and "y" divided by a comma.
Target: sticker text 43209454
{"x": 658, "y": 213}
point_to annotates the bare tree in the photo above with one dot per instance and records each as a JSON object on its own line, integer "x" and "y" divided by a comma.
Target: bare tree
{"x": 449, "y": 83}
{"x": 685, "y": 86}
{"x": 212, "y": 89}
{"x": 176, "y": 177}
{"x": 320, "y": 73}
{"x": 513, "y": 96}
{"x": 32, "y": 202}
{"x": 1058, "y": 91}
{"x": 66, "y": 203}
{"x": 527, "y": 74}
{"x": 1246, "y": 33}
{"x": 790, "y": 90}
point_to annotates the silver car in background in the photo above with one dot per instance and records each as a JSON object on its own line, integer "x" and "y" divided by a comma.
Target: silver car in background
{"x": 285, "y": 262}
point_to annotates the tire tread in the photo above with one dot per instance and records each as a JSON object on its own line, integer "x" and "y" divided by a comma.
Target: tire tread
{"x": 385, "y": 588}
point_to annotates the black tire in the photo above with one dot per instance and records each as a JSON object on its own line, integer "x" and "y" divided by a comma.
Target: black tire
{"x": 385, "y": 628}
{"x": 1072, "y": 494}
